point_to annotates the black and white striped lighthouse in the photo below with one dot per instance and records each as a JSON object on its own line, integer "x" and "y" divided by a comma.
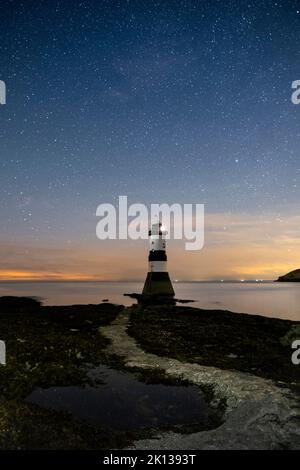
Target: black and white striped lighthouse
{"x": 158, "y": 284}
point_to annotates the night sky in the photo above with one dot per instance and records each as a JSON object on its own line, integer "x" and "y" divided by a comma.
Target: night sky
{"x": 162, "y": 101}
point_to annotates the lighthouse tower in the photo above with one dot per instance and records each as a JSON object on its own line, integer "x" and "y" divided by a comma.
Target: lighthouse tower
{"x": 158, "y": 285}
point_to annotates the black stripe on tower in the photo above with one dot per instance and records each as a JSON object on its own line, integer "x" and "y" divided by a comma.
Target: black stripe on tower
{"x": 159, "y": 232}
{"x": 157, "y": 255}
{"x": 160, "y": 277}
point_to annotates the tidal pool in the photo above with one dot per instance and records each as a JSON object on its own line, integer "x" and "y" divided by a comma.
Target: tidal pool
{"x": 120, "y": 402}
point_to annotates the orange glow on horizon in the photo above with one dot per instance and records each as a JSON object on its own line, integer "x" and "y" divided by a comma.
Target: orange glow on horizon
{"x": 249, "y": 273}
{"x": 42, "y": 276}
{"x": 250, "y": 248}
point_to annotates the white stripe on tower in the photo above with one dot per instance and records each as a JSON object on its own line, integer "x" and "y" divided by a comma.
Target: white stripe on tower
{"x": 157, "y": 266}
{"x": 157, "y": 254}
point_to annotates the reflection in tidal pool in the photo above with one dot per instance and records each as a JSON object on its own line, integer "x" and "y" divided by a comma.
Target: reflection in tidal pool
{"x": 121, "y": 402}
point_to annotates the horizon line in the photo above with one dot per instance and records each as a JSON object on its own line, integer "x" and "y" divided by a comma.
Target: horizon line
{"x": 176, "y": 281}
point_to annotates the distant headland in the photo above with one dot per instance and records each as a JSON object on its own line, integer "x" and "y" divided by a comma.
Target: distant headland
{"x": 293, "y": 276}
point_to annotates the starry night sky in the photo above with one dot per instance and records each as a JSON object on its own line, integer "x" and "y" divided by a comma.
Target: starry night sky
{"x": 162, "y": 101}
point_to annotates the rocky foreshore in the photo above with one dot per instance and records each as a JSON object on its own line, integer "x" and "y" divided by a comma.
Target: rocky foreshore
{"x": 258, "y": 413}
{"x": 241, "y": 362}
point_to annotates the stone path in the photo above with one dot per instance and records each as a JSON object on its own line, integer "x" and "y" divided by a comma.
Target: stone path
{"x": 259, "y": 414}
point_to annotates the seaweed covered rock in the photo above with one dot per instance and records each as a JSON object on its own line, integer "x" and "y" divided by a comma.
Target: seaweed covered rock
{"x": 10, "y": 304}
{"x": 254, "y": 344}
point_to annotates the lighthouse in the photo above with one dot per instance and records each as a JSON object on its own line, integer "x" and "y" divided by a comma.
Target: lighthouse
{"x": 158, "y": 286}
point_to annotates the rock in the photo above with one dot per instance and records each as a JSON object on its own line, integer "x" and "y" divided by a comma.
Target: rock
{"x": 262, "y": 424}
{"x": 292, "y": 334}
{"x": 293, "y": 276}
{"x": 11, "y": 304}
{"x": 258, "y": 415}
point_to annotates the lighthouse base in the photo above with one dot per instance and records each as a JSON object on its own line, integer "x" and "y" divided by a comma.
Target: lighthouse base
{"x": 158, "y": 284}
{"x": 153, "y": 299}
{"x": 158, "y": 290}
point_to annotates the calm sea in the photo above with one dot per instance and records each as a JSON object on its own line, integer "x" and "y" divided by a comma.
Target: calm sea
{"x": 281, "y": 300}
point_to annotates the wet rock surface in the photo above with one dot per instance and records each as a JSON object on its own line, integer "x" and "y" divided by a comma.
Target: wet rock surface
{"x": 249, "y": 343}
{"x": 50, "y": 346}
{"x": 260, "y": 414}
{"x": 57, "y": 347}
{"x": 119, "y": 401}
